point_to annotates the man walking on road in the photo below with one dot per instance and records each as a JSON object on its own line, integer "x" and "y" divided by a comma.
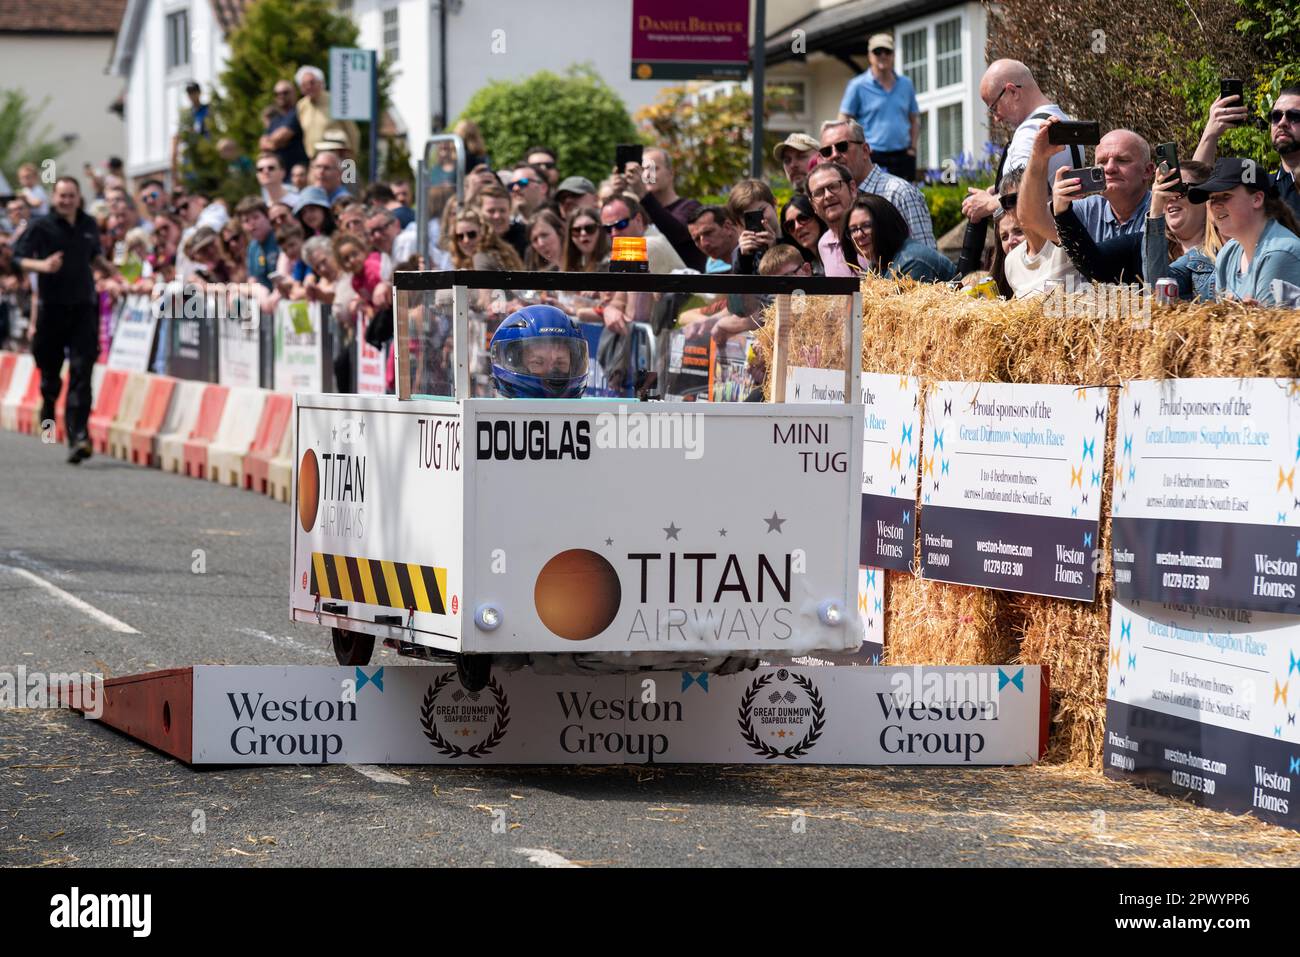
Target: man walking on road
{"x": 61, "y": 248}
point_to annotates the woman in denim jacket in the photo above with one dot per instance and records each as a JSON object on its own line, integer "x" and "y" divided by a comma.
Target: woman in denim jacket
{"x": 1173, "y": 215}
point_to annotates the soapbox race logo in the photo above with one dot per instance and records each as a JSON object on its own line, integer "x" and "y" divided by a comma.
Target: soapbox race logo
{"x": 782, "y": 713}
{"x": 467, "y": 715}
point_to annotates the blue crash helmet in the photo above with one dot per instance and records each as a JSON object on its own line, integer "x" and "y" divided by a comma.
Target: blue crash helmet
{"x": 539, "y": 353}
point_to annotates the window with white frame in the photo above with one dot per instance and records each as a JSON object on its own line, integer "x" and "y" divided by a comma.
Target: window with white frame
{"x": 391, "y": 43}
{"x": 933, "y": 56}
{"x": 916, "y": 59}
{"x": 177, "y": 33}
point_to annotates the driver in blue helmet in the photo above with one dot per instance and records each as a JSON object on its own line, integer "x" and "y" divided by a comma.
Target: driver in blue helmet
{"x": 539, "y": 353}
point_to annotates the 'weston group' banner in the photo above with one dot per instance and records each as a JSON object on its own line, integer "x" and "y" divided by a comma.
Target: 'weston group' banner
{"x": 690, "y": 39}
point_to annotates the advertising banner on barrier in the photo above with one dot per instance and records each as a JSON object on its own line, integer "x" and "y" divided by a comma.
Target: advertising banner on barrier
{"x": 239, "y": 353}
{"x": 193, "y": 352}
{"x": 421, "y": 715}
{"x": 891, "y": 445}
{"x": 300, "y": 354}
{"x": 687, "y": 371}
{"x": 369, "y": 361}
{"x": 1206, "y": 507}
{"x": 1201, "y": 703}
{"x": 1011, "y": 486}
{"x": 133, "y": 337}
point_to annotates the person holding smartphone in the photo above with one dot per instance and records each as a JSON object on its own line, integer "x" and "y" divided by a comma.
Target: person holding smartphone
{"x": 1229, "y": 111}
{"x": 753, "y": 204}
{"x": 1177, "y": 243}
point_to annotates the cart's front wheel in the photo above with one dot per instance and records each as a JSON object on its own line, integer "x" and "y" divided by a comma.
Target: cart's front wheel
{"x": 474, "y": 671}
{"x": 352, "y": 647}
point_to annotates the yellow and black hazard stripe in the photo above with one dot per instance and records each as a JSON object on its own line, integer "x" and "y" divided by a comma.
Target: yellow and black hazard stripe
{"x": 401, "y": 585}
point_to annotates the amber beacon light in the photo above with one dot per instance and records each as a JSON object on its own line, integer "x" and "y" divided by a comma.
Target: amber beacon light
{"x": 629, "y": 255}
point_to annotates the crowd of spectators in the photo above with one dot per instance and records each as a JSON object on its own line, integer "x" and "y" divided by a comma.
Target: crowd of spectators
{"x": 1219, "y": 226}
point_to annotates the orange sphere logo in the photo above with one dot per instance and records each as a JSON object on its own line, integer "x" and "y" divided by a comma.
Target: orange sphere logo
{"x": 308, "y": 490}
{"x": 577, "y": 594}
{"x": 644, "y": 72}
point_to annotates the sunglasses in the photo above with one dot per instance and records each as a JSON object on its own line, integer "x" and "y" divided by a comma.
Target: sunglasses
{"x": 798, "y": 219}
{"x": 1292, "y": 116}
{"x": 841, "y": 147}
{"x": 1007, "y": 200}
{"x": 621, "y": 224}
{"x": 543, "y": 166}
{"x": 267, "y": 169}
{"x": 587, "y": 229}
{"x": 520, "y": 184}
{"x": 882, "y": 51}
{"x": 467, "y": 237}
{"x": 153, "y": 195}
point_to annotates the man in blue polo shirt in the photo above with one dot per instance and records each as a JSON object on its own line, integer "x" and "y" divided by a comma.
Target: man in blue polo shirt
{"x": 884, "y": 103}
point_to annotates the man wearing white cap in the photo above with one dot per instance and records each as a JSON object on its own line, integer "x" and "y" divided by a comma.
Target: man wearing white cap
{"x": 884, "y": 103}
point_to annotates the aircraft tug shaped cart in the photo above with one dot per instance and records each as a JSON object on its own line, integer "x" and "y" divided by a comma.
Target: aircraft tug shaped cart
{"x": 589, "y": 535}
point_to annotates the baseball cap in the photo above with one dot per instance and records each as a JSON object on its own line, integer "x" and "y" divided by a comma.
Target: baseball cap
{"x": 879, "y": 40}
{"x": 1231, "y": 171}
{"x": 801, "y": 142}
{"x": 578, "y": 185}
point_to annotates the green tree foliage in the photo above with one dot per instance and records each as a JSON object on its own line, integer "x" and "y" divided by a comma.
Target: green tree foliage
{"x": 576, "y": 114}
{"x": 20, "y": 139}
{"x": 709, "y": 139}
{"x": 275, "y": 38}
{"x": 1147, "y": 66}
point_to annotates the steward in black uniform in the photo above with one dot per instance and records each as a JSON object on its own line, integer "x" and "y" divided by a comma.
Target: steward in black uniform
{"x": 61, "y": 248}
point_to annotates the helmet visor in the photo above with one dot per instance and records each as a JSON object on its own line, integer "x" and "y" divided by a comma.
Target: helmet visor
{"x": 558, "y": 358}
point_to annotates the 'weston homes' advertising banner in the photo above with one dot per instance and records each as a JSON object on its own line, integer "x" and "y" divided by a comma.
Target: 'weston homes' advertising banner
{"x": 1011, "y": 486}
{"x": 1202, "y": 703}
{"x": 690, "y": 39}
{"x": 1206, "y": 508}
{"x": 891, "y": 440}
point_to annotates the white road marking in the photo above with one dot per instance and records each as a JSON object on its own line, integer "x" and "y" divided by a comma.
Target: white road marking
{"x": 285, "y": 641}
{"x": 544, "y": 858}
{"x": 103, "y": 617}
{"x": 379, "y": 775}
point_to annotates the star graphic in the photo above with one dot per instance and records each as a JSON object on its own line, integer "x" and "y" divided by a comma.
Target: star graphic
{"x": 1285, "y": 478}
{"x": 609, "y": 541}
{"x": 775, "y": 522}
{"x": 361, "y": 426}
{"x": 1081, "y": 394}
{"x": 1137, "y": 410}
{"x": 334, "y": 432}
{"x": 947, "y": 406}
{"x": 722, "y": 532}
{"x": 1128, "y": 445}
{"x": 1101, "y": 413}
{"x": 671, "y": 531}
{"x": 781, "y": 733}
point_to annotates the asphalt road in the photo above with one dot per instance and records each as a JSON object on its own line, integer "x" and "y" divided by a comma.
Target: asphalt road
{"x": 123, "y": 540}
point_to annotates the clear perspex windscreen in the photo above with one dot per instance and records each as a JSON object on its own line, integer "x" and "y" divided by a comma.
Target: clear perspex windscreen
{"x": 676, "y": 338}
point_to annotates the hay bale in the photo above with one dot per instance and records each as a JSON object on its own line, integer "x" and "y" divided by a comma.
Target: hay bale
{"x": 929, "y": 331}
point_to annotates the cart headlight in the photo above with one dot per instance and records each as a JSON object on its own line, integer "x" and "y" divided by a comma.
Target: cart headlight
{"x": 487, "y": 617}
{"x": 831, "y": 613}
